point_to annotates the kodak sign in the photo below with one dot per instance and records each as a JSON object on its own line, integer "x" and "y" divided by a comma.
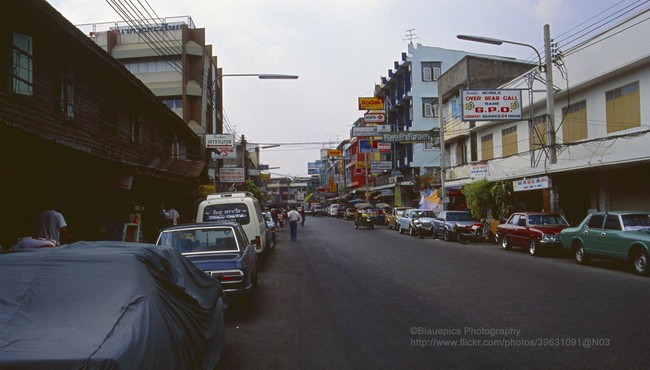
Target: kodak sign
{"x": 371, "y": 103}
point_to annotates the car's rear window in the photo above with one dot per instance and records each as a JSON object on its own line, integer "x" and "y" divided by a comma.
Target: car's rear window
{"x": 227, "y": 212}
{"x": 459, "y": 216}
{"x": 200, "y": 240}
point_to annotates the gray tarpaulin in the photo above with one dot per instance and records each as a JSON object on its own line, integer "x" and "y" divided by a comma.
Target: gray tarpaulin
{"x": 107, "y": 305}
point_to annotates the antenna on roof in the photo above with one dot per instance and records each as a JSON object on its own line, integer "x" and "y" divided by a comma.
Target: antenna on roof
{"x": 410, "y": 36}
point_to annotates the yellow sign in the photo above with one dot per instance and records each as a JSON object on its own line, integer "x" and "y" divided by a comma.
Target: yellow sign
{"x": 332, "y": 186}
{"x": 265, "y": 176}
{"x": 371, "y": 103}
{"x": 205, "y": 190}
{"x": 334, "y": 153}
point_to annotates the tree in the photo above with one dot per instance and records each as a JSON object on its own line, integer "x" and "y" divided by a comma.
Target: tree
{"x": 478, "y": 198}
{"x": 483, "y": 196}
{"x": 250, "y": 186}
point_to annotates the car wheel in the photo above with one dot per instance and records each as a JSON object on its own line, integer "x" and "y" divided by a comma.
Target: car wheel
{"x": 580, "y": 255}
{"x": 533, "y": 247}
{"x": 505, "y": 245}
{"x": 640, "y": 262}
{"x": 446, "y": 235}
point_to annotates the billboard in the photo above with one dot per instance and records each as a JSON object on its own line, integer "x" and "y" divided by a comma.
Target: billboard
{"x": 371, "y": 103}
{"x": 231, "y": 174}
{"x": 491, "y": 105}
{"x": 364, "y": 131}
{"x": 374, "y": 117}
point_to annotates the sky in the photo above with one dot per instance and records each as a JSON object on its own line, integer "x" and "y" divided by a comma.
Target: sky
{"x": 340, "y": 49}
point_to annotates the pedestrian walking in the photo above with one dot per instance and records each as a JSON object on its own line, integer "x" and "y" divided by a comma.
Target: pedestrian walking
{"x": 302, "y": 216}
{"x": 294, "y": 218}
{"x": 50, "y": 224}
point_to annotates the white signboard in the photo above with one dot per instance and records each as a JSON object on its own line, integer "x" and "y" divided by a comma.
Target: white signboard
{"x": 379, "y": 166}
{"x": 478, "y": 170}
{"x": 364, "y": 131}
{"x": 231, "y": 174}
{"x": 218, "y": 141}
{"x": 224, "y": 153}
{"x": 383, "y": 147}
{"x": 383, "y": 128}
{"x": 543, "y": 182}
{"x": 374, "y": 117}
{"x": 491, "y": 105}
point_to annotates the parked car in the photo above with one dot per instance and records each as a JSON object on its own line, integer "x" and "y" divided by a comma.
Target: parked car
{"x": 221, "y": 250}
{"x": 241, "y": 207}
{"x": 536, "y": 231}
{"x": 332, "y": 209}
{"x": 446, "y": 222}
{"x": 391, "y": 217}
{"x": 405, "y": 223}
{"x": 318, "y": 210}
{"x": 108, "y": 305}
{"x": 615, "y": 235}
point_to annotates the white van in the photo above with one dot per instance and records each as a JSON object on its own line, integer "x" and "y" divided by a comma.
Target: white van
{"x": 241, "y": 207}
{"x": 333, "y": 208}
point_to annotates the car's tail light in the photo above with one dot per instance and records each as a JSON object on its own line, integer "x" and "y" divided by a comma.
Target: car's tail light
{"x": 230, "y": 276}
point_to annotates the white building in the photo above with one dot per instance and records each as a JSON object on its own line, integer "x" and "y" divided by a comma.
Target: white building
{"x": 601, "y": 130}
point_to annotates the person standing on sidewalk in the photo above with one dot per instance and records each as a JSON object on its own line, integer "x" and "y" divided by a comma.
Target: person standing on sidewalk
{"x": 294, "y": 218}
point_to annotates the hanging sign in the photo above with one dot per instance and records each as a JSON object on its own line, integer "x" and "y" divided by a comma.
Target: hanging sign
{"x": 491, "y": 105}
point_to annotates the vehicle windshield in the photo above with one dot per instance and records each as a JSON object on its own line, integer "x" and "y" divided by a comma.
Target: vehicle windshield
{"x": 636, "y": 221}
{"x": 546, "y": 220}
{"x": 459, "y": 216}
{"x": 425, "y": 213}
{"x": 200, "y": 240}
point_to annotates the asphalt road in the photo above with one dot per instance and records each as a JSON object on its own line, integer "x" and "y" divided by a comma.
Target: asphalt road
{"x": 341, "y": 298}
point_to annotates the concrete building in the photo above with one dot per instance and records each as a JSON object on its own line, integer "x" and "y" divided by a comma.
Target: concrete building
{"x": 600, "y": 124}
{"x": 171, "y": 57}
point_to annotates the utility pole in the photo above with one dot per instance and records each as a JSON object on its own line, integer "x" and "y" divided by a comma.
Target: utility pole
{"x": 243, "y": 157}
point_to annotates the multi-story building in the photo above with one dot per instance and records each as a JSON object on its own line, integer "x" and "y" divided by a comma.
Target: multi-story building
{"x": 600, "y": 126}
{"x": 170, "y": 56}
{"x": 78, "y": 128}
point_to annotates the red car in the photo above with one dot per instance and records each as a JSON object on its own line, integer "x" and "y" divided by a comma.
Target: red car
{"x": 532, "y": 230}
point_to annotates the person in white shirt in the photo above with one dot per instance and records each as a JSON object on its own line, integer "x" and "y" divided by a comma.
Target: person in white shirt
{"x": 294, "y": 218}
{"x": 172, "y": 216}
{"x": 50, "y": 224}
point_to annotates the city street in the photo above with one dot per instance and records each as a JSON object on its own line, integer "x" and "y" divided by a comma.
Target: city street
{"x": 344, "y": 298}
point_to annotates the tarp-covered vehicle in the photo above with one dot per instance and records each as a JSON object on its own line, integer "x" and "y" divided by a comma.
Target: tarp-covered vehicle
{"x": 108, "y": 305}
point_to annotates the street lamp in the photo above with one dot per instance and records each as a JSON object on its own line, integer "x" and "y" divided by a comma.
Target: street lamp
{"x": 547, "y": 66}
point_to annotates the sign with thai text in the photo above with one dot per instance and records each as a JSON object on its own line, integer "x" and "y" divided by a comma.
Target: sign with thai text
{"x": 407, "y": 137}
{"x": 491, "y": 105}
{"x": 235, "y": 174}
{"x": 364, "y": 131}
{"x": 383, "y": 147}
{"x": 543, "y": 182}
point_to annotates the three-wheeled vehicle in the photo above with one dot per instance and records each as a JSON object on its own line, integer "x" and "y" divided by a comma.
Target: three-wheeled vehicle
{"x": 364, "y": 218}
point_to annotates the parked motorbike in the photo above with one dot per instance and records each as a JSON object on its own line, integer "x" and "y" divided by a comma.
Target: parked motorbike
{"x": 416, "y": 228}
{"x": 478, "y": 232}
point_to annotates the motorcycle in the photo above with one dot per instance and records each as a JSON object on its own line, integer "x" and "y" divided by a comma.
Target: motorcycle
{"x": 416, "y": 228}
{"x": 478, "y": 232}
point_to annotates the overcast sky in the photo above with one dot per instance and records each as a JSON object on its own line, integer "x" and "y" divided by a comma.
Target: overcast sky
{"x": 340, "y": 49}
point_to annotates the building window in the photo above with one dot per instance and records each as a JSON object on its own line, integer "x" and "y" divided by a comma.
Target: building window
{"x": 135, "y": 128}
{"x": 429, "y": 109}
{"x": 509, "y": 141}
{"x": 461, "y": 154}
{"x": 574, "y": 122}
{"x": 623, "y": 108}
{"x": 66, "y": 93}
{"x": 455, "y": 108}
{"x": 173, "y": 103}
{"x": 487, "y": 147}
{"x": 538, "y": 133}
{"x": 22, "y": 67}
{"x": 431, "y": 71}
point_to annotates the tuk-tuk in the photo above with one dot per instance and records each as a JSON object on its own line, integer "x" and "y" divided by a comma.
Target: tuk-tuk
{"x": 364, "y": 218}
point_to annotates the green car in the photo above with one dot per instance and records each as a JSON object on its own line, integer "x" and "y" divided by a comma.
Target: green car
{"x": 615, "y": 234}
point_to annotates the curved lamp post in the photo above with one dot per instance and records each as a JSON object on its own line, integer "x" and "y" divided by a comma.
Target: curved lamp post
{"x": 547, "y": 65}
